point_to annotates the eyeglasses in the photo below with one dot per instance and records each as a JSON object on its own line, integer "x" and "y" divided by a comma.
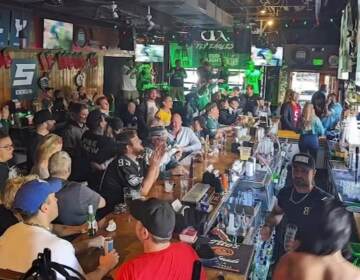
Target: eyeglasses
{"x": 7, "y": 147}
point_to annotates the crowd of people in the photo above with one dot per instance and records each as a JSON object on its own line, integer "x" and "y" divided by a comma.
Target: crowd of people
{"x": 86, "y": 151}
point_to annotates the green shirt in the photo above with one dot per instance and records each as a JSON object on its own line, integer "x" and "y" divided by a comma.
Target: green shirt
{"x": 212, "y": 126}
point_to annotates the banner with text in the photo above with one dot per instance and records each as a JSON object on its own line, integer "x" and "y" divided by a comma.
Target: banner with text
{"x": 24, "y": 79}
{"x": 4, "y": 26}
{"x": 214, "y": 46}
{"x": 20, "y": 21}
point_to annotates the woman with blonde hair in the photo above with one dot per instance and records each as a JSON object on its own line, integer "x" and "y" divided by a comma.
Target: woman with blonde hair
{"x": 290, "y": 112}
{"x": 48, "y": 146}
{"x": 310, "y": 130}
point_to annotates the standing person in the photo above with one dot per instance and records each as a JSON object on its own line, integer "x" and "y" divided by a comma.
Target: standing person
{"x": 103, "y": 105}
{"x": 145, "y": 113}
{"x": 227, "y": 115}
{"x": 290, "y": 112}
{"x": 251, "y": 101}
{"x": 155, "y": 223}
{"x": 310, "y": 130}
{"x": 97, "y": 149}
{"x": 177, "y": 76}
{"x": 75, "y": 128}
{"x": 129, "y": 117}
{"x": 321, "y": 93}
{"x": 319, "y": 255}
{"x": 44, "y": 124}
{"x": 332, "y": 112}
{"x": 128, "y": 170}
{"x": 128, "y": 82}
{"x": 164, "y": 113}
{"x": 6, "y": 154}
{"x": 22, "y": 242}
{"x": 296, "y": 204}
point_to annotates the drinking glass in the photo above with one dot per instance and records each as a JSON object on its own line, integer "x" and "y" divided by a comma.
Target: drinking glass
{"x": 290, "y": 234}
{"x": 127, "y": 199}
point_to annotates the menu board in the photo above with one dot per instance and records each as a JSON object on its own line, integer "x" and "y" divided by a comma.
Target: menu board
{"x": 232, "y": 257}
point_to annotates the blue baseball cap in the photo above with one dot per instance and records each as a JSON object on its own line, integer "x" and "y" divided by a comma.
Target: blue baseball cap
{"x": 33, "y": 194}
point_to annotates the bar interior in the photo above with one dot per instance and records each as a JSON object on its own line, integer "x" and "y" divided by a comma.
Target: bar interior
{"x": 187, "y": 140}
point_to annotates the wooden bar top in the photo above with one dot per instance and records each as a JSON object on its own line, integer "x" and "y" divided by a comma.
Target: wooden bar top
{"x": 125, "y": 240}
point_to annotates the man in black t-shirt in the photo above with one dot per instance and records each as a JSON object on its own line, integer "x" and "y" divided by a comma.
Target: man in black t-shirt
{"x": 128, "y": 170}
{"x": 177, "y": 76}
{"x": 6, "y": 153}
{"x": 295, "y": 205}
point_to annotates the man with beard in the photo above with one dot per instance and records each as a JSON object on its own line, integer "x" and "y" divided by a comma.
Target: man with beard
{"x": 44, "y": 124}
{"x": 127, "y": 170}
{"x": 295, "y": 205}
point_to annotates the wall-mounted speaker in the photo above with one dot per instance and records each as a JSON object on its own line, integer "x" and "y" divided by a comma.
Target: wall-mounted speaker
{"x": 242, "y": 40}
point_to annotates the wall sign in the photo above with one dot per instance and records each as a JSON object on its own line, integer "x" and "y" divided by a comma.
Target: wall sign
{"x": 80, "y": 37}
{"x": 4, "y": 26}
{"x": 20, "y": 21}
{"x": 23, "y": 78}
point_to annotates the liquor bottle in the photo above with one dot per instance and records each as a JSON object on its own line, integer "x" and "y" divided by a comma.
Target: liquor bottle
{"x": 91, "y": 221}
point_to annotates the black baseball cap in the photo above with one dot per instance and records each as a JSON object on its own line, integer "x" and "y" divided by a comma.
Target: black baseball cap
{"x": 42, "y": 116}
{"x": 304, "y": 159}
{"x": 157, "y": 216}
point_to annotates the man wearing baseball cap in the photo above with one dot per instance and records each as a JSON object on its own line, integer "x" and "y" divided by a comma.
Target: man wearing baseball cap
{"x": 162, "y": 260}
{"x": 295, "y": 204}
{"x": 35, "y": 201}
{"x": 44, "y": 124}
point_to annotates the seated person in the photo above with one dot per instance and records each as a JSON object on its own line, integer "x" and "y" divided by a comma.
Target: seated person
{"x": 262, "y": 108}
{"x": 22, "y": 242}
{"x": 164, "y": 113}
{"x": 103, "y": 105}
{"x": 155, "y": 223}
{"x": 318, "y": 256}
{"x": 227, "y": 114}
{"x": 170, "y": 162}
{"x": 74, "y": 197}
{"x": 114, "y": 127}
{"x": 6, "y": 154}
{"x": 129, "y": 118}
{"x": 183, "y": 138}
{"x": 198, "y": 126}
{"x": 212, "y": 124}
{"x": 128, "y": 170}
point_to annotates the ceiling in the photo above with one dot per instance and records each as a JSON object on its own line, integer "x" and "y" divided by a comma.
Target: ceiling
{"x": 243, "y": 10}
{"x": 168, "y": 14}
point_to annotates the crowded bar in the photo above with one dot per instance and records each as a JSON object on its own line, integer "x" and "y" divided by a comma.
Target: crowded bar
{"x": 180, "y": 140}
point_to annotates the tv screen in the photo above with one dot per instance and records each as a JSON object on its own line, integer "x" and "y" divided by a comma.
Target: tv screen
{"x": 266, "y": 57}
{"x": 149, "y": 53}
{"x": 57, "y": 35}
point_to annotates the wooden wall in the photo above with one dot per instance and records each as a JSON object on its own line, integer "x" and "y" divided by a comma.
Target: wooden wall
{"x": 58, "y": 78}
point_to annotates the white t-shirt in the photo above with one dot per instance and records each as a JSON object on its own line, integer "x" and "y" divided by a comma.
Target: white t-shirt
{"x": 151, "y": 111}
{"x": 128, "y": 82}
{"x": 21, "y": 243}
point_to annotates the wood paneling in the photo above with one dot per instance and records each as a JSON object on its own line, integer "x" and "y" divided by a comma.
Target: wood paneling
{"x": 58, "y": 78}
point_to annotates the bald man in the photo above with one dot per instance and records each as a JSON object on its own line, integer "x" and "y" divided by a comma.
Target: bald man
{"x": 183, "y": 137}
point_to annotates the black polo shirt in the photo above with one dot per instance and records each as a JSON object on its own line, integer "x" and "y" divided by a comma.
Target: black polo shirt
{"x": 4, "y": 174}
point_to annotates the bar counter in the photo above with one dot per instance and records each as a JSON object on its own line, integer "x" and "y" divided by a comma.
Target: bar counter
{"x": 126, "y": 242}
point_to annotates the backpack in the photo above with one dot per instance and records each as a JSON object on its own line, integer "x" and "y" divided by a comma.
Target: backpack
{"x": 44, "y": 269}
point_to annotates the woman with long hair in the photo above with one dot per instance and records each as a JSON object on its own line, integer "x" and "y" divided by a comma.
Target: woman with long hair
{"x": 290, "y": 112}
{"x": 48, "y": 146}
{"x": 310, "y": 130}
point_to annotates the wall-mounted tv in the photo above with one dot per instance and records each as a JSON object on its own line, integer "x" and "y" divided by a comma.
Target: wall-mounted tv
{"x": 149, "y": 53}
{"x": 57, "y": 35}
{"x": 266, "y": 56}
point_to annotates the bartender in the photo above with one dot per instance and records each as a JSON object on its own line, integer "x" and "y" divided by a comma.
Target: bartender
{"x": 296, "y": 204}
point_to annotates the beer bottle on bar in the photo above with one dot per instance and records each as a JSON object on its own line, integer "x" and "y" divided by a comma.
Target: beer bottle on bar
{"x": 191, "y": 172}
{"x": 91, "y": 221}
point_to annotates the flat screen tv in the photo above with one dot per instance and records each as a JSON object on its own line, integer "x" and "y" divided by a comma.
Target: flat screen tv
{"x": 266, "y": 56}
{"x": 57, "y": 35}
{"x": 149, "y": 53}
